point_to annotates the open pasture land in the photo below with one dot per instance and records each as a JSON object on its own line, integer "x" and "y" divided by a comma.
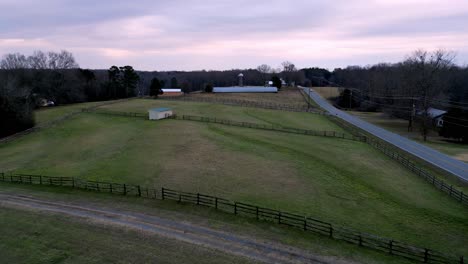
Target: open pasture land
{"x": 39, "y": 235}
{"x": 42, "y": 237}
{"x": 339, "y": 181}
{"x": 286, "y": 96}
{"x": 243, "y": 114}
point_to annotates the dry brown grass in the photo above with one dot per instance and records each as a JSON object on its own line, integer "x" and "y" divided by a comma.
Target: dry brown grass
{"x": 328, "y": 92}
{"x": 287, "y": 96}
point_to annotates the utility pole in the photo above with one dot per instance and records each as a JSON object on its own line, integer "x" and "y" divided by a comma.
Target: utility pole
{"x": 350, "y": 97}
{"x": 412, "y": 115}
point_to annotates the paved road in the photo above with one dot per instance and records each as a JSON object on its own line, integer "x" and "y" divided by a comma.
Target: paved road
{"x": 438, "y": 159}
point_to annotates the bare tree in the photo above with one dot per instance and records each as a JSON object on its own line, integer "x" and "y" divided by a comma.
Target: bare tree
{"x": 264, "y": 69}
{"x": 62, "y": 60}
{"x": 38, "y": 60}
{"x": 288, "y": 66}
{"x": 14, "y": 61}
{"x": 423, "y": 78}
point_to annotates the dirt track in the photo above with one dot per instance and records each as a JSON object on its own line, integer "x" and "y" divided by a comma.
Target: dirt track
{"x": 269, "y": 252}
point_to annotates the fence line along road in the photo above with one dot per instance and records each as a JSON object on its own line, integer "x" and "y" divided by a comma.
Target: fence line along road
{"x": 404, "y": 160}
{"x": 302, "y": 222}
{"x": 429, "y": 155}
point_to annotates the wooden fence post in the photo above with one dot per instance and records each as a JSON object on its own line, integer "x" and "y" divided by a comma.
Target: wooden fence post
{"x": 110, "y": 187}
{"x": 279, "y": 217}
{"x": 256, "y": 212}
{"x": 139, "y": 190}
{"x": 461, "y": 196}
{"x": 305, "y": 223}
{"x": 40, "y": 179}
{"x": 331, "y": 231}
{"x": 426, "y": 255}
{"x": 216, "y": 202}
{"x": 360, "y": 240}
{"x": 198, "y": 199}
{"x": 235, "y": 208}
{"x": 124, "y": 189}
{"x": 162, "y": 193}
{"x": 390, "y": 245}
{"x": 461, "y": 260}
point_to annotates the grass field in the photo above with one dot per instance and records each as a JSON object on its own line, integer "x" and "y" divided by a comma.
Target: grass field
{"x": 244, "y": 114}
{"x": 339, "y": 181}
{"x": 47, "y": 114}
{"x": 31, "y": 237}
{"x": 287, "y": 96}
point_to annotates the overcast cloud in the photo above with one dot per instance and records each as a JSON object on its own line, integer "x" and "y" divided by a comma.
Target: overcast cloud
{"x": 217, "y": 34}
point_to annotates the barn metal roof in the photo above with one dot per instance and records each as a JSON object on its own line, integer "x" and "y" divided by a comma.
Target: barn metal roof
{"x": 245, "y": 89}
{"x": 160, "y": 109}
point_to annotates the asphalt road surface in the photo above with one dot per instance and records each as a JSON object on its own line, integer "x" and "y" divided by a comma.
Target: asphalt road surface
{"x": 436, "y": 158}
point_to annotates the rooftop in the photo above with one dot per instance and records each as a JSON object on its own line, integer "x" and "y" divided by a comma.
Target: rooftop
{"x": 160, "y": 109}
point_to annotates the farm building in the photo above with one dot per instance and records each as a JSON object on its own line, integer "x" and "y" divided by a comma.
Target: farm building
{"x": 245, "y": 89}
{"x": 436, "y": 115}
{"x": 159, "y": 113}
{"x": 171, "y": 92}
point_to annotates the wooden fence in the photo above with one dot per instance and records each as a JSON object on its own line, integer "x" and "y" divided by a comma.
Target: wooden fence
{"x": 302, "y": 222}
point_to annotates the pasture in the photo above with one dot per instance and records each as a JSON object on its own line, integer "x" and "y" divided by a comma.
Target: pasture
{"x": 339, "y": 181}
{"x": 287, "y": 95}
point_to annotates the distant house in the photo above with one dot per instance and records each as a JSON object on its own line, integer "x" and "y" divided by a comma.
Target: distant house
{"x": 159, "y": 113}
{"x": 245, "y": 89}
{"x": 436, "y": 115}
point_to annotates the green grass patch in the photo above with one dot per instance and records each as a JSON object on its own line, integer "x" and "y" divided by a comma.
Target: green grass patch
{"x": 243, "y": 114}
{"x": 339, "y": 181}
{"x": 32, "y": 237}
{"x": 60, "y": 233}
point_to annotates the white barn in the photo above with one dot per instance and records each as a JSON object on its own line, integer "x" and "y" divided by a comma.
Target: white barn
{"x": 245, "y": 89}
{"x": 159, "y": 113}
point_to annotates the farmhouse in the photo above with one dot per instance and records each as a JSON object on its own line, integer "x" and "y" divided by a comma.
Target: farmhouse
{"x": 159, "y": 113}
{"x": 245, "y": 89}
{"x": 436, "y": 115}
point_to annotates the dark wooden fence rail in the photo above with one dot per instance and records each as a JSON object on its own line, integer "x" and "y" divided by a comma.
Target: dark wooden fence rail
{"x": 404, "y": 159}
{"x": 301, "y": 222}
{"x": 277, "y": 128}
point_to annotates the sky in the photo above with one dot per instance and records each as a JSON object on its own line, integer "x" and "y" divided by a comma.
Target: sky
{"x": 219, "y": 35}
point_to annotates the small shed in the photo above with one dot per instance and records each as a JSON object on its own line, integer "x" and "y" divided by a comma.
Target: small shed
{"x": 159, "y": 113}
